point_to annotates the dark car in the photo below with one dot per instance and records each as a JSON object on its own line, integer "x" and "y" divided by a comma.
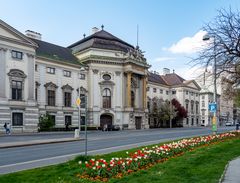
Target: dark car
{"x": 113, "y": 127}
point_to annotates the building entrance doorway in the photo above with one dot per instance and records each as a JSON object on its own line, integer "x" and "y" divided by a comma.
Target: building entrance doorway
{"x": 138, "y": 122}
{"x": 105, "y": 120}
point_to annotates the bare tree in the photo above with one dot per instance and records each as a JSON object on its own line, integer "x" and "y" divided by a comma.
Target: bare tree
{"x": 224, "y": 46}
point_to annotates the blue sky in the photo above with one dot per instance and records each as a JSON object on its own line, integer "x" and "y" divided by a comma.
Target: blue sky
{"x": 168, "y": 29}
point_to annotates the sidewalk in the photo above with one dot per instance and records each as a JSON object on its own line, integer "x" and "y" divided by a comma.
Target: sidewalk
{"x": 232, "y": 173}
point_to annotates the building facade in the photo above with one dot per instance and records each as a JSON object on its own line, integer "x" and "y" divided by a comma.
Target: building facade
{"x": 164, "y": 88}
{"x": 109, "y": 75}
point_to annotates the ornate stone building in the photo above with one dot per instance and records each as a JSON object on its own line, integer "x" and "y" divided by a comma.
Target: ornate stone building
{"x": 117, "y": 74}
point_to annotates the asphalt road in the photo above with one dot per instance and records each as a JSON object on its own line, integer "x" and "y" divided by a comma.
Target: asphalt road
{"x": 21, "y": 158}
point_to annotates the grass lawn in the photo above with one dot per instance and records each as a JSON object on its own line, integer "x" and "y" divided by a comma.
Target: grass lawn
{"x": 205, "y": 164}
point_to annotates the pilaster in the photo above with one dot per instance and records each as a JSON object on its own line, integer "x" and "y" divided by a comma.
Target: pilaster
{"x": 129, "y": 75}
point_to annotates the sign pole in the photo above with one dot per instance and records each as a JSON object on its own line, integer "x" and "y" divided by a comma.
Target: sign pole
{"x": 85, "y": 125}
{"x": 78, "y": 102}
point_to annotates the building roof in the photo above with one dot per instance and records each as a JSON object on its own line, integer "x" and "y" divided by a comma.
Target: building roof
{"x": 55, "y": 52}
{"x": 156, "y": 78}
{"x": 173, "y": 79}
{"x": 103, "y": 40}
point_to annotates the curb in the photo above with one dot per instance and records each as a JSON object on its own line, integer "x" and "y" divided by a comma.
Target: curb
{"x": 37, "y": 142}
{"x": 224, "y": 172}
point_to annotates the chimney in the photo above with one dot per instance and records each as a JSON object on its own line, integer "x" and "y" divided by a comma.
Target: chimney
{"x": 94, "y": 30}
{"x": 166, "y": 71}
{"x": 34, "y": 35}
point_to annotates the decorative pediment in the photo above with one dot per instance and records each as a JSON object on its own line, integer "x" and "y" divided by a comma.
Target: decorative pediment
{"x": 82, "y": 90}
{"x": 37, "y": 84}
{"x": 67, "y": 87}
{"x": 10, "y": 33}
{"x": 17, "y": 73}
{"x": 192, "y": 84}
{"x": 51, "y": 85}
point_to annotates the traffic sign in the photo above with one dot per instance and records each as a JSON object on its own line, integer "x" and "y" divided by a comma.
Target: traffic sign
{"x": 212, "y": 107}
{"x": 78, "y": 101}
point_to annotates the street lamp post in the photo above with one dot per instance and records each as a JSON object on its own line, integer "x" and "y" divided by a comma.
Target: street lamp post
{"x": 214, "y": 119}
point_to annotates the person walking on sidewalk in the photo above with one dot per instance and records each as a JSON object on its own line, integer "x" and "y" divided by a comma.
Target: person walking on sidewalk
{"x": 8, "y": 129}
{"x": 5, "y": 127}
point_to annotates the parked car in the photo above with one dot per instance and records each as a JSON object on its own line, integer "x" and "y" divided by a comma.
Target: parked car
{"x": 229, "y": 123}
{"x": 113, "y": 127}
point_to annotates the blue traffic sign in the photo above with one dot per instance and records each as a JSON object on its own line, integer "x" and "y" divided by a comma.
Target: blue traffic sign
{"x": 212, "y": 107}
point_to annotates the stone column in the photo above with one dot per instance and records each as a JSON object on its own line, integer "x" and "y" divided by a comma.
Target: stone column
{"x": 144, "y": 91}
{"x": 31, "y": 83}
{"x": 129, "y": 75}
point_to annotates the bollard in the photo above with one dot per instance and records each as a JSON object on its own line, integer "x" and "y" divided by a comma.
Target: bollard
{"x": 76, "y": 134}
{"x": 237, "y": 126}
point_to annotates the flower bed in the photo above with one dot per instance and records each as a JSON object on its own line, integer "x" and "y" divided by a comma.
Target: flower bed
{"x": 146, "y": 157}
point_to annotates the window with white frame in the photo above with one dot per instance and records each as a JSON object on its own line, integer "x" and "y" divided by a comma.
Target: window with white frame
{"x": 66, "y": 73}
{"x": 17, "y": 119}
{"x": 17, "y": 54}
{"x": 82, "y": 76}
{"x": 106, "y": 98}
{"x": 50, "y": 70}
{"x": 17, "y": 90}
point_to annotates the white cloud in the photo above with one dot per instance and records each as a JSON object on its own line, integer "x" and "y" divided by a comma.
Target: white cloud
{"x": 162, "y": 59}
{"x": 188, "y": 45}
{"x": 190, "y": 73}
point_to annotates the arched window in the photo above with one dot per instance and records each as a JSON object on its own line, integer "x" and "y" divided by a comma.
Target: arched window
{"x": 132, "y": 99}
{"x": 106, "y": 98}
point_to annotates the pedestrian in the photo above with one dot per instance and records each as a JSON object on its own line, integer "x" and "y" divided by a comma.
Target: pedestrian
{"x": 5, "y": 127}
{"x": 8, "y": 130}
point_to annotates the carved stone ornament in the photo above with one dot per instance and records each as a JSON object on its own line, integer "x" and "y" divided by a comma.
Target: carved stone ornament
{"x": 67, "y": 87}
{"x": 37, "y": 84}
{"x": 95, "y": 71}
{"x": 50, "y": 85}
{"x": 17, "y": 73}
{"x": 30, "y": 55}
{"x": 118, "y": 73}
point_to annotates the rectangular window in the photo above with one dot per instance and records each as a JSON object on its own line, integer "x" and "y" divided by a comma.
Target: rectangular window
{"x": 36, "y": 93}
{"x": 50, "y": 70}
{"x": 17, "y": 54}
{"x": 51, "y": 97}
{"x": 148, "y": 88}
{"x": 192, "y": 107}
{"x": 174, "y": 92}
{"x": 186, "y": 92}
{"x": 36, "y": 67}
{"x": 197, "y": 109}
{"x": 187, "y": 121}
{"x": 82, "y": 76}
{"x": 68, "y": 120}
{"x": 154, "y": 90}
{"x": 203, "y": 103}
{"x": 161, "y": 91}
{"x": 192, "y": 93}
{"x": 82, "y": 97}
{"x": 166, "y": 92}
{"x": 16, "y": 90}
{"x": 67, "y": 73}
{"x": 17, "y": 119}
{"x": 187, "y": 106}
{"x": 67, "y": 99}
{"x": 203, "y": 97}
